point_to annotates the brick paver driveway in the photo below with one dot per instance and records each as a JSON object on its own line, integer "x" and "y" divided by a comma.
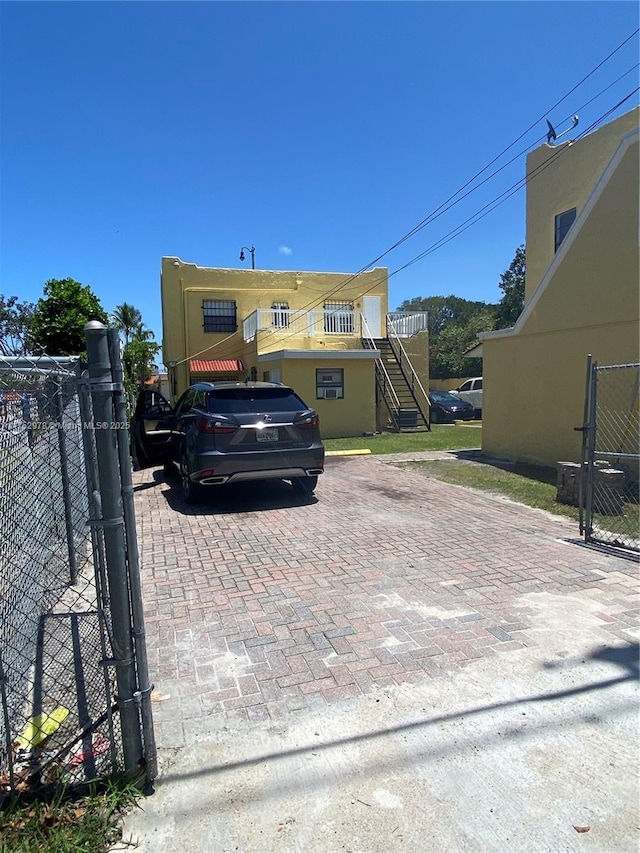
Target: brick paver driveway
{"x": 260, "y": 602}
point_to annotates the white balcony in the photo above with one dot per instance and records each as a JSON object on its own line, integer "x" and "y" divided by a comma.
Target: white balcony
{"x": 320, "y": 322}
{"x": 403, "y": 324}
{"x": 311, "y": 324}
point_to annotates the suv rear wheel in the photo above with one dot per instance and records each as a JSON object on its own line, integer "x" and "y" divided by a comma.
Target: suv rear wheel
{"x": 191, "y": 492}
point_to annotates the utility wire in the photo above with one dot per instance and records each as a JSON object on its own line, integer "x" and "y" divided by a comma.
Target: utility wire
{"x": 450, "y": 203}
{"x": 496, "y": 202}
{"x": 429, "y": 218}
{"x": 459, "y": 195}
{"x": 464, "y": 226}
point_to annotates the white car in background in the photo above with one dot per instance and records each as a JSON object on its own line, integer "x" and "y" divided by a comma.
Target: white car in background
{"x": 471, "y": 391}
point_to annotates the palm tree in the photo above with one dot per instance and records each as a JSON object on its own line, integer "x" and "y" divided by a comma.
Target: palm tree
{"x": 126, "y": 317}
{"x": 141, "y": 333}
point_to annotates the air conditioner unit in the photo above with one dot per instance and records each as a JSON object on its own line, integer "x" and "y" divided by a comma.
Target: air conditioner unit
{"x": 330, "y": 393}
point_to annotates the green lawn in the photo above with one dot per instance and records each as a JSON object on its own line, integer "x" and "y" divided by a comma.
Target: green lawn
{"x": 533, "y": 485}
{"x": 441, "y": 437}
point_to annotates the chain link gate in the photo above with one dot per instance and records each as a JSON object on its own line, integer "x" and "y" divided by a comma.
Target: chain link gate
{"x": 73, "y": 671}
{"x": 609, "y": 489}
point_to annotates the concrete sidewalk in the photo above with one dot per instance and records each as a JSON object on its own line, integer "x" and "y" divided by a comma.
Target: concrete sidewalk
{"x": 401, "y": 665}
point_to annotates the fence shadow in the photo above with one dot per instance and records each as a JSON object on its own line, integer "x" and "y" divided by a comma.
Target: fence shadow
{"x": 624, "y": 657}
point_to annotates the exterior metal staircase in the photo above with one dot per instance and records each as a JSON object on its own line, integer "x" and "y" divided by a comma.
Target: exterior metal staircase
{"x": 397, "y": 385}
{"x": 410, "y": 414}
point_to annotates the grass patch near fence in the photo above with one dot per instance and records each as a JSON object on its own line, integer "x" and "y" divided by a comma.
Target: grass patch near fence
{"x": 89, "y": 823}
{"x": 441, "y": 437}
{"x": 533, "y": 485}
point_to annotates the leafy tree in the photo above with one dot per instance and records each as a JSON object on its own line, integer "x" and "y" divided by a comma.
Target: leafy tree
{"x": 138, "y": 356}
{"x": 446, "y": 352}
{"x": 60, "y": 316}
{"x": 137, "y": 363}
{"x": 444, "y": 310}
{"x": 15, "y": 320}
{"x": 453, "y": 324}
{"x": 512, "y": 287}
{"x": 125, "y": 318}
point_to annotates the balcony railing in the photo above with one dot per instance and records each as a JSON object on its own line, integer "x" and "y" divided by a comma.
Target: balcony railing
{"x": 309, "y": 324}
{"x": 403, "y": 324}
{"x": 319, "y": 322}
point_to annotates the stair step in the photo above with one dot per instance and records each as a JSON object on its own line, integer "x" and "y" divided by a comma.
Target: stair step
{"x": 409, "y": 416}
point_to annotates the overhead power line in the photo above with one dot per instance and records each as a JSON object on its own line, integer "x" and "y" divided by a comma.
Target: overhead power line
{"x": 429, "y": 218}
{"x": 455, "y": 232}
{"x": 460, "y": 195}
{"x": 452, "y": 201}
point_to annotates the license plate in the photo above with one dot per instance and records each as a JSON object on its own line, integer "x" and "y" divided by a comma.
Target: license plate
{"x": 267, "y": 435}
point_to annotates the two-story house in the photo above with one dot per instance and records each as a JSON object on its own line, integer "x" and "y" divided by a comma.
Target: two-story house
{"x": 328, "y": 335}
{"x": 581, "y": 294}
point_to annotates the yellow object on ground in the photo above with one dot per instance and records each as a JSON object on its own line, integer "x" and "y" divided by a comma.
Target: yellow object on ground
{"x": 40, "y": 727}
{"x": 347, "y": 452}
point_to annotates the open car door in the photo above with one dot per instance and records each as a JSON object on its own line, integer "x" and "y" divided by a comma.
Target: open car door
{"x": 150, "y": 429}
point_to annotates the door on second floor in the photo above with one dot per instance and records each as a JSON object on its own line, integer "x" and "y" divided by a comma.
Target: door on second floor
{"x": 372, "y": 313}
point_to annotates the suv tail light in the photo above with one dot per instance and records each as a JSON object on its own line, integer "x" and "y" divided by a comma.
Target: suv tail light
{"x": 310, "y": 422}
{"x": 210, "y": 427}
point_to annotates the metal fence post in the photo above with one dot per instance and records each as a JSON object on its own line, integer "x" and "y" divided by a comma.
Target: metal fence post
{"x": 133, "y": 560}
{"x": 112, "y": 523}
{"x": 97, "y": 540}
{"x": 7, "y": 723}
{"x": 591, "y": 446}
{"x": 583, "y": 450}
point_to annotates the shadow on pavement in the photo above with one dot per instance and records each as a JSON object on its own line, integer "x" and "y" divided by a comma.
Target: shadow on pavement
{"x": 158, "y": 478}
{"x": 257, "y": 496}
{"x": 608, "y": 550}
{"x": 625, "y": 657}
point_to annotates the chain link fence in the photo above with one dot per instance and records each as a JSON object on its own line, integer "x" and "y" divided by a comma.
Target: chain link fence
{"x": 73, "y": 681}
{"x": 611, "y": 456}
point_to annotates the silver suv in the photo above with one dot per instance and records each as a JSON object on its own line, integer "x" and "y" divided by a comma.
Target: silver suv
{"x": 227, "y": 432}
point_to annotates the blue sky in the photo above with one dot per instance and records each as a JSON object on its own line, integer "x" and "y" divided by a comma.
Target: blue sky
{"x": 320, "y": 132}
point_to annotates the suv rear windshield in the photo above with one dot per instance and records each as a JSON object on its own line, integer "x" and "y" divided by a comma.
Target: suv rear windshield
{"x": 237, "y": 400}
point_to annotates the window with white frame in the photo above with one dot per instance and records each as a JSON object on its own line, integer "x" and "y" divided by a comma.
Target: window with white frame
{"x": 219, "y": 315}
{"x": 564, "y": 221}
{"x": 280, "y": 315}
{"x": 338, "y": 318}
{"x": 329, "y": 383}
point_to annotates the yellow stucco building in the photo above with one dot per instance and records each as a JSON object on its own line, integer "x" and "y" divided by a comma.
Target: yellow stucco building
{"x": 317, "y": 332}
{"x": 581, "y": 294}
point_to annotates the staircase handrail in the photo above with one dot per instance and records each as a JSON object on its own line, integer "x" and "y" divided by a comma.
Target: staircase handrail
{"x": 414, "y": 376}
{"x": 386, "y": 384}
